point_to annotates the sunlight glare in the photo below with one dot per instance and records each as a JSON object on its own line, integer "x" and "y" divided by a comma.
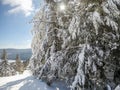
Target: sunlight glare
{"x": 62, "y": 7}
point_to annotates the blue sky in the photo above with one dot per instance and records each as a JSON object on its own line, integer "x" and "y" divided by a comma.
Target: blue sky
{"x": 15, "y": 29}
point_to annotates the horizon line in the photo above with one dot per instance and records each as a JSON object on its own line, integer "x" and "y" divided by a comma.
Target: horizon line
{"x": 15, "y": 48}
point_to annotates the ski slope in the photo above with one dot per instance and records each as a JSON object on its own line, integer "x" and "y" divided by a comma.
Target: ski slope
{"x": 26, "y": 81}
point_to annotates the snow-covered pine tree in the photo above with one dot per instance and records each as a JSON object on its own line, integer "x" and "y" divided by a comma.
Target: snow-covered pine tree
{"x": 5, "y": 68}
{"x": 77, "y": 41}
{"x": 4, "y": 56}
{"x": 19, "y": 64}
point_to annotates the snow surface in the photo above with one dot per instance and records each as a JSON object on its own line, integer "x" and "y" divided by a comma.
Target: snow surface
{"x": 26, "y": 81}
{"x": 11, "y": 61}
{"x": 118, "y": 87}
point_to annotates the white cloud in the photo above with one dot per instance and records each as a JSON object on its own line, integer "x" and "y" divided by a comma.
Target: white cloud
{"x": 19, "y": 6}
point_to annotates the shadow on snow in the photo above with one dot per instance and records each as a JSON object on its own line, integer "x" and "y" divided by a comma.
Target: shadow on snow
{"x": 30, "y": 83}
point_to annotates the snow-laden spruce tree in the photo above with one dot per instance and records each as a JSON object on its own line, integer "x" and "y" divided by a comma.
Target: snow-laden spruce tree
{"x": 19, "y": 64}
{"x": 5, "y": 68}
{"x": 78, "y": 41}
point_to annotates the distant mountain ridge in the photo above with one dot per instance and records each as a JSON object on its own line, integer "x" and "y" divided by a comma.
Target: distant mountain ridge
{"x": 25, "y": 54}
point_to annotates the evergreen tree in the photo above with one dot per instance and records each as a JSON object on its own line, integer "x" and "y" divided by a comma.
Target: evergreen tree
{"x": 4, "y": 55}
{"x": 77, "y": 41}
{"x": 25, "y": 63}
{"x": 5, "y": 68}
{"x": 4, "y": 62}
{"x": 19, "y": 65}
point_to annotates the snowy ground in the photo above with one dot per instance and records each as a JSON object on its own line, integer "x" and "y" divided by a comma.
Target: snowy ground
{"x": 26, "y": 81}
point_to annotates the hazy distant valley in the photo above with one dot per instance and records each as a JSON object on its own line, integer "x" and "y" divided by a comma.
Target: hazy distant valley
{"x": 25, "y": 54}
